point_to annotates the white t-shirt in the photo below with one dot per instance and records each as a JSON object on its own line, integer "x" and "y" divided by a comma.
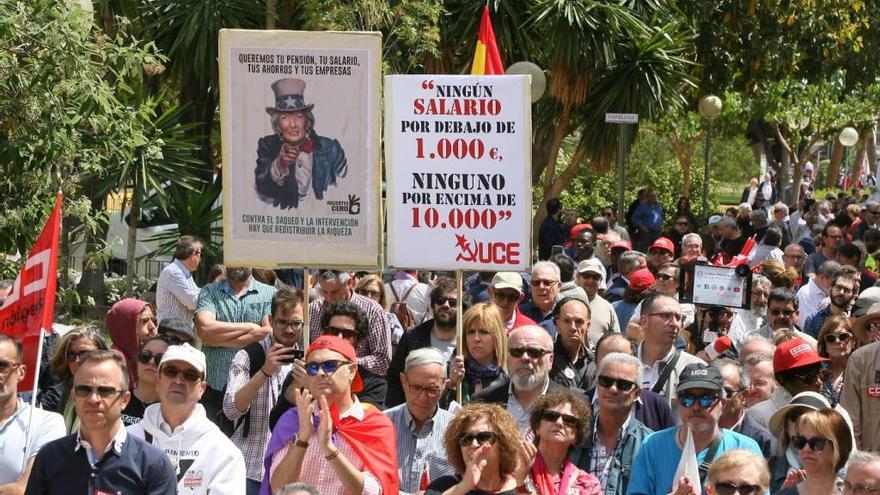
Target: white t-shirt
{"x": 48, "y": 426}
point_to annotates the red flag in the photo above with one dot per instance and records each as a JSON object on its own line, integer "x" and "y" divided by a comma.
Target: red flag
{"x": 425, "y": 481}
{"x": 30, "y": 307}
{"x": 487, "y": 59}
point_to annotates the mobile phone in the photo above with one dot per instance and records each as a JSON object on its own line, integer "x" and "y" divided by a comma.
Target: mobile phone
{"x": 292, "y": 355}
{"x": 557, "y": 249}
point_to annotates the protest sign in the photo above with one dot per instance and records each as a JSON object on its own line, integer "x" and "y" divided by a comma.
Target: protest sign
{"x": 300, "y": 123}
{"x": 459, "y": 171}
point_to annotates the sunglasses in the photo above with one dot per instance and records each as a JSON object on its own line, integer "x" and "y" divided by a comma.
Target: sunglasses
{"x": 507, "y": 296}
{"x": 8, "y": 365}
{"x": 189, "y": 375}
{"x": 329, "y": 367}
{"x": 482, "y": 438}
{"x": 786, "y": 312}
{"x": 816, "y": 443}
{"x": 706, "y": 401}
{"x": 77, "y": 355}
{"x": 369, "y": 293}
{"x": 86, "y": 391}
{"x": 144, "y": 357}
{"x": 345, "y": 333}
{"x": 620, "y": 383}
{"x": 294, "y": 324}
{"x": 860, "y": 489}
{"x": 543, "y": 283}
{"x": 553, "y": 416}
{"x": 532, "y": 352}
{"x": 725, "y": 488}
{"x": 441, "y": 300}
{"x": 833, "y": 338}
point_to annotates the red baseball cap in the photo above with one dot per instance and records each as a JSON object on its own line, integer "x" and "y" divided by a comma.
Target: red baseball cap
{"x": 577, "y": 229}
{"x": 622, "y": 244}
{"x": 641, "y": 279}
{"x": 795, "y": 353}
{"x": 663, "y": 243}
{"x": 341, "y": 346}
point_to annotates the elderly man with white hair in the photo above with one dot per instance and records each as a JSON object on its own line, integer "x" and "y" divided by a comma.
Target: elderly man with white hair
{"x": 862, "y": 473}
{"x": 545, "y": 282}
{"x": 420, "y": 422}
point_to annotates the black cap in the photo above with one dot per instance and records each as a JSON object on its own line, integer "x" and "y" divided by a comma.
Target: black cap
{"x": 698, "y": 375}
{"x": 178, "y": 326}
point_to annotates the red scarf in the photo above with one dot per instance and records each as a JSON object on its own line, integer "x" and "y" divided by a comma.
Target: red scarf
{"x": 374, "y": 440}
{"x": 544, "y": 480}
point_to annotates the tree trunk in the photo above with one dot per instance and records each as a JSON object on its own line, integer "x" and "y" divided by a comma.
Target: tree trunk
{"x": 872, "y": 152}
{"x": 271, "y": 7}
{"x": 861, "y": 149}
{"x": 834, "y": 165}
{"x": 133, "y": 217}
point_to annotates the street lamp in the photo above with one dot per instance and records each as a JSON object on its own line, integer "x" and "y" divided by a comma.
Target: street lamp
{"x": 539, "y": 80}
{"x": 709, "y": 107}
{"x": 848, "y": 138}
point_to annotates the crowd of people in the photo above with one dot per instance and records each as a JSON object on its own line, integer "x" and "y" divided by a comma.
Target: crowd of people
{"x": 593, "y": 373}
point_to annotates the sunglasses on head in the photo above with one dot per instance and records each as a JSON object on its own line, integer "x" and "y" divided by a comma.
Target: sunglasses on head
{"x": 816, "y": 443}
{"x": 329, "y": 367}
{"x": 833, "y": 338}
{"x": 705, "y": 401}
{"x": 344, "y": 333}
{"x": 189, "y": 375}
{"x": 441, "y": 300}
{"x": 104, "y": 392}
{"x": 553, "y": 416}
{"x": 532, "y": 352}
{"x": 482, "y": 437}
{"x": 144, "y": 357}
{"x": 620, "y": 383}
{"x": 727, "y": 488}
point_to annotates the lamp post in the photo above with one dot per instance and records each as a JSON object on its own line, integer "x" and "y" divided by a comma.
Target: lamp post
{"x": 848, "y": 137}
{"x": 709, "y": 107}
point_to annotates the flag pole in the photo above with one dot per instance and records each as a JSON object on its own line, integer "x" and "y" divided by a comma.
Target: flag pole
{"x": 459, "y": 334}
{"x": 30, "y": 423}
{"x": 307, "y": 287}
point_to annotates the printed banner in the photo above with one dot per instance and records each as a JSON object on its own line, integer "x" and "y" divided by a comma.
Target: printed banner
{"x": 300, "y": 122}
{"x": 458, "y": 151}
{"x": 30, "y": 306}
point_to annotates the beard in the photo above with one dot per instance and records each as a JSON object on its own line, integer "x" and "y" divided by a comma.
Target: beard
{"x": 528, "y": 379}
{"x": 840, "y": 302}
{"x": 238, "y": 274}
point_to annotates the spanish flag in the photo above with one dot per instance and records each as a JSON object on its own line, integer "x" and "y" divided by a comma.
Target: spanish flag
{"x": 487, "y": 60}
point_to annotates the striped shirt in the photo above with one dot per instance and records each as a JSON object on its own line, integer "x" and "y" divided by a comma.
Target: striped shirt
{"x": 416, "y": 450}
{"x": 176, "y": 293}
{"x": 374, "y": 350}
{"x": 253, "y": 447}
{"x": 251, "y": 307}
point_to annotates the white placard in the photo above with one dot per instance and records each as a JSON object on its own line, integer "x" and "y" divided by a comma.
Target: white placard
{"x": 458, "y": 157}
{"x": 300, "y": 122}
{"x": 621, "y": 118}
{"x": 719, "y": 286}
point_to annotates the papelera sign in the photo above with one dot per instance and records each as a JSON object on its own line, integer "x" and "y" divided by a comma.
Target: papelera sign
{"x": 458, "y": 155}
{"x": 621, "y": 118}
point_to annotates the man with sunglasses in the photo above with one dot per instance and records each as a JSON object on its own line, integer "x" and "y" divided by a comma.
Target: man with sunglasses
{"x": 700, "y": 401}
{"x": 782, "y": 315}
{"x": 204, "y": 459}
{"x": 506, "y": 291}
{"x": 102, "y": 457}
{"x": 662, "y": 251}
{"x": 616, "y": 435}
{"x": 374, "y": 348}
{"x": 255, "y": 381}
{"x": 842, "y": 294}
{"x": 20, "y": 422}
{"x": 733, "y": 414}
{"x": 798, "y": 368}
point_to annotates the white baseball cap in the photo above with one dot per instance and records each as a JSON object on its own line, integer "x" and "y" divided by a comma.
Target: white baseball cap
{"x": 187, "y": 354}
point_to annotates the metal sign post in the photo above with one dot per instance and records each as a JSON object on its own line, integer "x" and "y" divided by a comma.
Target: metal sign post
{"x": 623, "y": 119}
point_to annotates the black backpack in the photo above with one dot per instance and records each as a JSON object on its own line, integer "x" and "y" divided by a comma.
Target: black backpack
{"x": 257, "y": 357}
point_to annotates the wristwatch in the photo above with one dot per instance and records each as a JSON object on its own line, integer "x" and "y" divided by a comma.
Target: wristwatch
{"x": 296, "y": 442}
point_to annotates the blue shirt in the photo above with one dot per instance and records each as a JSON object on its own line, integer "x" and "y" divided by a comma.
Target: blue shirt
{"x": 416, "y": 450}
{"x": 655, "y": 465}
{"x": 649, "y": 216}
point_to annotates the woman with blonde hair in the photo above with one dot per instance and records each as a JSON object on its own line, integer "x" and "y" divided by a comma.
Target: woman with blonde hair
{"x": 738, "y": 471}
{"x": 778, "y": 274}
{"x": 485, "y": 349}
{"x": 823, "y": 441}
{"x": 69, "y": 351}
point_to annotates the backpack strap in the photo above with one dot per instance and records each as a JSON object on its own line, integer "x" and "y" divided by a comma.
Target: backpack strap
{"x": 710, "y": 456}
{"x": 667, "y": 370}
{"x": 257, "y": 358}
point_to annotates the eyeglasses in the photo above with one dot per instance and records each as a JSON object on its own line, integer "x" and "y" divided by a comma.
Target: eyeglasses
{"x": 706, "y": 401}
{"x": 786, "y": 312}
{"x": 531, "y": 351}
{"x": 553, "y": 416}
{"x": 669, "y": 316}
{"x": 794, "y": 256}
{"x": 86, "y": 391}
{"x": 345, "y": 333}
{"x": 833, "y": 338}
{"x": 620, "y": 383}
{"x": 842, "y": 289}
{"x": 77, "y": 355}
{"x": 664, "y": 277}
{"x": 189, "y": 375}
{"x": 809, "y": 377}
{"x": 506, "y": 296}
{"x": 329, "y": 367}
{"x": 6, "y": 366}
{"x": 859, "y": 489}
{"x": 482, "y": 438}
{"x": 816, "y": 443}
{"x": 441, "y": 300}
{"x": 294, "y": 324}
{"x": 369, "y": 293}
{"x": 536, "y": 282}
{"x": 730, "y": 392}
{"x": 727, "y": 488}
{"x": 431, "y": 392}
{"x": 144, "y": 357}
